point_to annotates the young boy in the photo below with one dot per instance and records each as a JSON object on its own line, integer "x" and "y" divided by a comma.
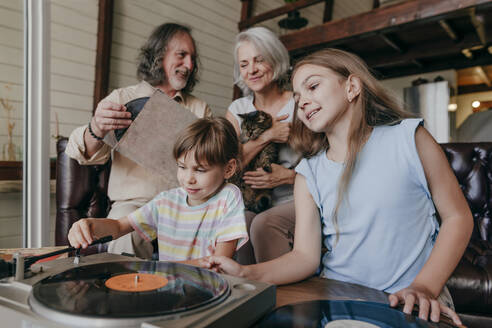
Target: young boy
{"x": 204, "y": 216}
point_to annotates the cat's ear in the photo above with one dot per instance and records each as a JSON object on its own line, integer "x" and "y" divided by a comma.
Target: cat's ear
{"x": 230, "y": 168}
{"x": 250, "y": 115}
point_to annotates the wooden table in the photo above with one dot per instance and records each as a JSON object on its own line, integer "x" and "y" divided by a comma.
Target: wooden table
{"x": 317, "y": 288}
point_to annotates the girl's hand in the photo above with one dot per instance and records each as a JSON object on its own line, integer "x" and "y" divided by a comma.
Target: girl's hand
{"x": 260, "y": 179}
{"x": 222, "y": 264}
{"x": 279, "y": 132}
{"x": 429, "y": 307}
{"x": 81, "y": 233}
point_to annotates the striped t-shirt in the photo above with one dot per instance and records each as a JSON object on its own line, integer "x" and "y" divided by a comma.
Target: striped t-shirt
{"x": 184, "y": 232}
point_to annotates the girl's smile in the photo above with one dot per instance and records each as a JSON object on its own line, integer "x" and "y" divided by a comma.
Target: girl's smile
{"x": 321, "y": 97}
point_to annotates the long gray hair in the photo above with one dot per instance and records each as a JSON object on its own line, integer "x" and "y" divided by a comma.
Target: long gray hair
{"x": 154, "y": 50}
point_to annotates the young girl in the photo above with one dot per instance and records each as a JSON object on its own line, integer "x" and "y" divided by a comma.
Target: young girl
{"x": 365, "y": 185}
{"x": 204, "y": 214}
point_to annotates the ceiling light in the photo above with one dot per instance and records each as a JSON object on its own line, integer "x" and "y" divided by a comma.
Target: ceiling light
{"x": 476, "y": 104}
{"x": 452, "y": 107}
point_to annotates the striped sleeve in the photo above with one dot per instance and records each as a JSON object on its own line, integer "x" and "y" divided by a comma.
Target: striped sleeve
{"x": 233, "y": 222}
{"x": 144, "y": 220}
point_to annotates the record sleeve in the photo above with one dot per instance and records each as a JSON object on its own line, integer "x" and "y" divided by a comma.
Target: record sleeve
{"x": 149, "y": 140}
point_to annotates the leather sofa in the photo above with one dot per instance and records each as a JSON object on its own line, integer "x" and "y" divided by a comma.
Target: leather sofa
{"x": 81, "y": 192}
{"x": 471, "y": 283}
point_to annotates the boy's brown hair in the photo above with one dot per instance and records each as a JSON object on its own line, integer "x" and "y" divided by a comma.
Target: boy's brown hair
{"x": 214, "y": 141}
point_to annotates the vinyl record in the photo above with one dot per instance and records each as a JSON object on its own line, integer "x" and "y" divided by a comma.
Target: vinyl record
{"x": 331, "y": 314}
{"x": 128, "y": 290}
{"x": 134, "y": 107}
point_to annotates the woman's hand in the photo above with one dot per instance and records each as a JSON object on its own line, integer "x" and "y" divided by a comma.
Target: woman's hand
{"x": 279, "y": 132}
{"x": 429, "y": 307}
{"x": 260, "y": 179}
{"x": 222, "y": 264}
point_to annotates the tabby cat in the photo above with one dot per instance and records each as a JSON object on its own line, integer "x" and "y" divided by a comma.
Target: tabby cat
{"x": 252, "y": 126}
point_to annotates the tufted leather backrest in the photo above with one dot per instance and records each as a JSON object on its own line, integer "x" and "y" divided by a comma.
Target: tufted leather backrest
{"x": 81, "y": 191}
{"x": 472, "y": 165}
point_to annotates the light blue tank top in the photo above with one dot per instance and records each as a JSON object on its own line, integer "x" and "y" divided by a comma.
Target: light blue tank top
{"x": 387, "y": 222}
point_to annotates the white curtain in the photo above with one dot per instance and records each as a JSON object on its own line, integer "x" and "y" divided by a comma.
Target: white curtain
{"x": 430, "y": 101}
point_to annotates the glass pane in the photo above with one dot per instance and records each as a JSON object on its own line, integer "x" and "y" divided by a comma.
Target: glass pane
{"x": 11, "y": 121}
{"x": 73, "y": 42}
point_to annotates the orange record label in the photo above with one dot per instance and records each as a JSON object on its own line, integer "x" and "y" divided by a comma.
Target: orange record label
{"x": 136, "y": 282}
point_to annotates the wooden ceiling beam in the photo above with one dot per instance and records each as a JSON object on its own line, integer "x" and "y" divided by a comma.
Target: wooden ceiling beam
{"x": 417, "y": 63}
{"x": 483, "y": 76}
{"x": 478, "y": 25}
{"x": 392, "y": 43}
{"x": 246, "y": 10}
{"x": 478, "y": 60}
{"x": 448, "y": 29}
{"x": 473, "y": 88}
{"x": 328, "y": 13}
{"x": 299, "y": 4}
{"x": 385, "y": 18}
{"x": 422, "y": 51}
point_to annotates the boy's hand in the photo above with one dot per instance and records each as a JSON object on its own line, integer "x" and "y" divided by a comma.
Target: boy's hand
{"x": 222, "y": 264}
{"x": 81, "y": 234}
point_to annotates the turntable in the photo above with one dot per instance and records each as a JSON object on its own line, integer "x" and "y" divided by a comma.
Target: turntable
{"x": 107, "y": 290}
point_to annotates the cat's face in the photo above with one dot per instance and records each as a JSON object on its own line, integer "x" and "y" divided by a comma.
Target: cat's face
{"x": 254, "y": 124}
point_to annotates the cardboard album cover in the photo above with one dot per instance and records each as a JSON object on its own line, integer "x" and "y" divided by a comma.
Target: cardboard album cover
{"x": 149, "y": 140}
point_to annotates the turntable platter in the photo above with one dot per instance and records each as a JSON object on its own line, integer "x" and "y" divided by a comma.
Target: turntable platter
{"x": 136, "y": 282}
{"x": 98, "y": 290}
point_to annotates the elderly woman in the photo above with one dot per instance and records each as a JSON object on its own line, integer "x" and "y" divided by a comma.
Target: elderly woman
{"x": 261, "y": 65}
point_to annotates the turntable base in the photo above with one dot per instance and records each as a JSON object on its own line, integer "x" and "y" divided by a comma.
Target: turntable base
{"x": 64, "y": 294}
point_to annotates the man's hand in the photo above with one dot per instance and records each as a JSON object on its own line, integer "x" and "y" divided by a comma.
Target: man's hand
{"x": 109, "y": 116}
{"x": 429, "y": 307}
{"x": 260, "y": 179}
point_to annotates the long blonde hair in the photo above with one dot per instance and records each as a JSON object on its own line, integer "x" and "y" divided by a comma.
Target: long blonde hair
{"x": 377, "y": 107}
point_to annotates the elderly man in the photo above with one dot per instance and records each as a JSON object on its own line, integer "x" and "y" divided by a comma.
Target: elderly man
{"x": 167, "y": 61}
